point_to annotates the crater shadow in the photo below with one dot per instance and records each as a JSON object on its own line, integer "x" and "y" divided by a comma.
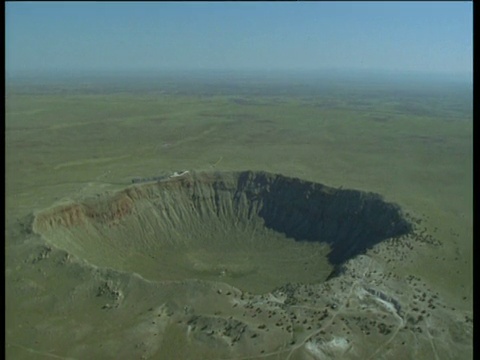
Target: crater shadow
{"x": 350, "y": 221}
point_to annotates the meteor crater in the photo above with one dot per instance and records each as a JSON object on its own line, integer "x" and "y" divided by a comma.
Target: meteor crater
{"x": 253, "y": 230}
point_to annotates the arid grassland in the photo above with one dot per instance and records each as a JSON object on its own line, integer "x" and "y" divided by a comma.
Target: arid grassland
{"x": 82, "y": 289}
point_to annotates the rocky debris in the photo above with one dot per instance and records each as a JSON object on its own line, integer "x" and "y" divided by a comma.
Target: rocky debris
{"x": 389, "y": 299}
{"x": 109, "y": 291}
{"x": 43, "y": 254}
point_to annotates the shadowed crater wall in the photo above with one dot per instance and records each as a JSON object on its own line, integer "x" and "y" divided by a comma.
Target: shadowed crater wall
{"x": 254, "y": 230}
{"x": 350, "y": 221}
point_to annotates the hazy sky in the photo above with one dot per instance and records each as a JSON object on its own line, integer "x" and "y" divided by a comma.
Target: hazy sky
{"x": 406, "y": 36}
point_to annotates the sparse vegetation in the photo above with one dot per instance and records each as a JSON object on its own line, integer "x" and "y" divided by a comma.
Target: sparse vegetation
{"x": 413, "y": 146}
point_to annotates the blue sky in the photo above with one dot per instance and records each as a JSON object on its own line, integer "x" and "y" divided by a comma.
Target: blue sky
{"x": 389, "y": 36}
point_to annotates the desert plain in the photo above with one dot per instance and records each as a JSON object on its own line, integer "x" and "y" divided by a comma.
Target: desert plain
{"x": 237, "y": 258}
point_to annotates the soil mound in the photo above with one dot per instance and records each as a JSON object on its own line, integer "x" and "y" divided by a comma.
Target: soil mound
{"x": 254, "y": 230}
